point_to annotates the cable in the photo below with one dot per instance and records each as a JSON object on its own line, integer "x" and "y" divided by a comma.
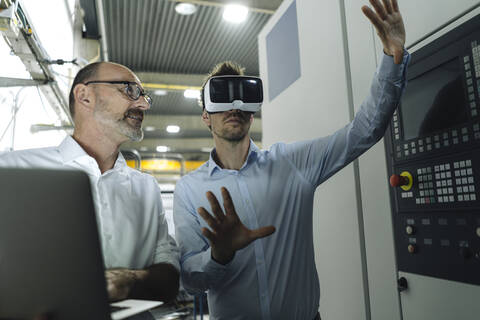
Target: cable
{"x": 61, "y": 61}
{"x": 42, "y": 102}
{"x": 16, "y": 109}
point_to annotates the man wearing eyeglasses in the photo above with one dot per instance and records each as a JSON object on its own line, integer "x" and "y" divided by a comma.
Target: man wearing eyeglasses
{"x": 108, "y": 105}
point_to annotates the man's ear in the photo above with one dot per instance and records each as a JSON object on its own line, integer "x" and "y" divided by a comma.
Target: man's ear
{"x": 206, "y": 118}
{"x": 84, "y": 96}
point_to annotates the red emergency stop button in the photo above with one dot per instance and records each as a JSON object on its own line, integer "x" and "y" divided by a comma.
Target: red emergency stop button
{"x": 397, "y": 180}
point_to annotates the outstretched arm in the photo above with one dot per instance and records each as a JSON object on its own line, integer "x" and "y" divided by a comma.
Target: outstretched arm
{"x": 389, "y": 25}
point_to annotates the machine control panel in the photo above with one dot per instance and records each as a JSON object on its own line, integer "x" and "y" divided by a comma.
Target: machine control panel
{"x": 433, "y": 156}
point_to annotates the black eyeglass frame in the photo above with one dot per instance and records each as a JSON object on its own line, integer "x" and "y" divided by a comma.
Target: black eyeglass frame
{"x": 141, "y": 92}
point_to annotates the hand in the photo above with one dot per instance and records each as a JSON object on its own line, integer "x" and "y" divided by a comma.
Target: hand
{"x": 228, "y": 233}
{"x": 389, "y": 24}
{"x": 121, "y": 281}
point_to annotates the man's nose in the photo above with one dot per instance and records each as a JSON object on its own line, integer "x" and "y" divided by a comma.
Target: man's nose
{"x": 143, "y": 103}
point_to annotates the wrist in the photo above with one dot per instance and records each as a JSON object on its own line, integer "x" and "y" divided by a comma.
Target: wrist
{"x": 222, "y": 258}
{"x": 138, "y": 275}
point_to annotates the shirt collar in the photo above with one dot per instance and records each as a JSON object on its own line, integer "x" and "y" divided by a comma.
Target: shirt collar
{"x": 252, "y": 155}
{"x": 70, "y": 151}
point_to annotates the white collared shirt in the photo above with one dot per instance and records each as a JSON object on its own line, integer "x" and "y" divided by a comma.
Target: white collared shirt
{"x": 130, "y": 216}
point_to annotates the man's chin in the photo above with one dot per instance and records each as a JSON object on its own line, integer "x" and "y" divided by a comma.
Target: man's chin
{"x": 134, "y": 135}
{"x": 136, "y": 138}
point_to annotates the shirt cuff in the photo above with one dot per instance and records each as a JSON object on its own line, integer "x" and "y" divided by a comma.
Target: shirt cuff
{"x": 391, "y": 71}
{"x": 212, "y": 267}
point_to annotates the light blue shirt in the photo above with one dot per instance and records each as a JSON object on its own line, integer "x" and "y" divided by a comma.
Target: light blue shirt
{"x": 275, "y": 277}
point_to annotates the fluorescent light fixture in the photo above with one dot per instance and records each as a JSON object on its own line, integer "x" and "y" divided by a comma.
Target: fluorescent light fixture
{"x": 162, "y": 148}
{"x": 149, "y": 128}
{"x": 160, "y": 92}
{"x": 185, "y": 8}
{"x": 173, "y": 129}
{"x": 235, "y": 13}
{"x": 191, "y": 94}
{"x": 143, "y": 148}
{"x": 206, "y": 149}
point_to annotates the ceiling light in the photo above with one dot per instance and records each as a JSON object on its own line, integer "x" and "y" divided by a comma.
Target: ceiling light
{"x": 185, "y": 8}
{"x": 235, "y": 13}
{"x": 173, "y": 129}
{"x": 143, "y": 148}
{"x": 162, "y": 148}
{"x": 206, "y": 149}
{"x": 191, "y": 94}
{"x": 150, "y": 128}
{"x": 160, "y": 92}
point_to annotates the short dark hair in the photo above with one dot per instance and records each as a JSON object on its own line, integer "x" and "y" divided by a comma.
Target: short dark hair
{"x": 86, "y": 73}
{"x": 226, "y": 68}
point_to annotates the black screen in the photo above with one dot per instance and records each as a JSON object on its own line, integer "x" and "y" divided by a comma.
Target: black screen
{"x": 434, "y": 101}
{"x": 228, "y": 89}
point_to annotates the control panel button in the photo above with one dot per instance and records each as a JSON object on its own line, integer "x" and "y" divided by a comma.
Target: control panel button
{"x": 411, "y": 230}
{"x": 403, "y": 180}
{"x": 412, "y": 248}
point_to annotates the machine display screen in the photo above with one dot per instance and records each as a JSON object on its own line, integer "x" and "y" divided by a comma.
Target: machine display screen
{"x": 434, "y": 101}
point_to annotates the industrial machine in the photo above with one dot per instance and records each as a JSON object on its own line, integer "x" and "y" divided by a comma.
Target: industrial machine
{"x": 433, "y": 156}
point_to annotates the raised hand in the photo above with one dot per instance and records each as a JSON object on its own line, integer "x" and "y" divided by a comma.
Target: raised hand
{"x": 389, "y": 24}
{"x": 228, "y": 233}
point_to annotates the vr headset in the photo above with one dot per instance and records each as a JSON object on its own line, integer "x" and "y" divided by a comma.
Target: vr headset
{"x": 223, "y": 93}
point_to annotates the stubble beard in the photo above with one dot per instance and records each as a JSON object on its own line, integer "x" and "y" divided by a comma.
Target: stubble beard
{"x": 120, "y": 125}
{"x": 232, "y": 135}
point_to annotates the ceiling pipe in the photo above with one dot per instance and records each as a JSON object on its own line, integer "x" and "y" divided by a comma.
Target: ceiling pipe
{"x": 101, "y": 22}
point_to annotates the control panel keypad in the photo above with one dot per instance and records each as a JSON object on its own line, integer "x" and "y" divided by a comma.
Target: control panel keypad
{"x": 464, "y": 181}
{"x": 426, "y": 187}
{"x": 437, "y": 142}
{"x": 445, "y": 183}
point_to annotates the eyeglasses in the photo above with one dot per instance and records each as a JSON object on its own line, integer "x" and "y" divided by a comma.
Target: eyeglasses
{"x": 132, "y": 90}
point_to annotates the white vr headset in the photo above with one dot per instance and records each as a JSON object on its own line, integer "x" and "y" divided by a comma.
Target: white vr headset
{"x": 223, "y": 93}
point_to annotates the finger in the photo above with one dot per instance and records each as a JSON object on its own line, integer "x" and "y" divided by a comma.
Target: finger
{"x": 216, "y": 209}
{"x": 379, "y": 9}
{"x": 209, "y": 235}
{"x": 211, "y": 221}
{"x": 228, "y": 202}
{"x": 374, "y": 19}
{"x": 388, "y": 6}
{"x": 395, "y": 6}
{"x": 262, "y": 232}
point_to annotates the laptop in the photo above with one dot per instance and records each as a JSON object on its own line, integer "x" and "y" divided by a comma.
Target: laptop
{"x": 50, "y": 256}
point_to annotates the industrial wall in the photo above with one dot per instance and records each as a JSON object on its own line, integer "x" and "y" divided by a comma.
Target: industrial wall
{"x": 338, "y": 52}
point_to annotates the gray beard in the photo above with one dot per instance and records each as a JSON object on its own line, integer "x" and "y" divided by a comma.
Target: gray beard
{"x": 121, "y": 126}
{"x": 134, "y": 134}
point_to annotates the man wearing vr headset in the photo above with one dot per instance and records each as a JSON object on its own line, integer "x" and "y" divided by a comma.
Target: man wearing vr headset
{"x": 274, "y": 277}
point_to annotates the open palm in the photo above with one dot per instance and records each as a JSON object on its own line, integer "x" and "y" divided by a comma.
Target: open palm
{"x": 389, "y": 25}
{"x": 228, "y": 234}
